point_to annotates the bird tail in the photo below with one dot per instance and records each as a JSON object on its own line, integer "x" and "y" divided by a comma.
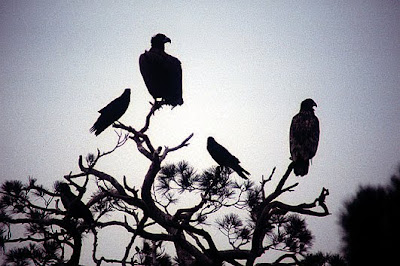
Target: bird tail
{"x": 95, "y": 129}
{"x": 245, "y": 172}
{"x": 241, "y": 172}
{"x": 301, "y": 167}
{"x": 92, "y": 129}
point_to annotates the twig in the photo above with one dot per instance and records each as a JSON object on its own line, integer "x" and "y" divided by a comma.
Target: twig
{"x": 132, "y": 190}
{"x": 183, "y": 144}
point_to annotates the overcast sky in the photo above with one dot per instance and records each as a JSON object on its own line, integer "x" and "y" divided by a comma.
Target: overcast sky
{"x": 247, "y": 65}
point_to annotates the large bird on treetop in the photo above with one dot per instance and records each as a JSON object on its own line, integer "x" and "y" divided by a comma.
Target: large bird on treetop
{"x": 74, "y": 206}
{"x": 304, "y": 137}
{"x": 162, "y": 73}
{"x": 224, "y": 158}
{"x": 112, "y": 112}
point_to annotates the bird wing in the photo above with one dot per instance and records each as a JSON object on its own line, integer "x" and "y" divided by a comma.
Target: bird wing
{"x": 224, "y": 158}
{"x": 314, "y": 135}
{"x": 174, "y": 69}
{"x": 118, "y": 103}
{"x": 111, "y": 113}
{"x": 162, "y": 74}
{"x": 221, "y": 155}
{"x": 152, "y": 71}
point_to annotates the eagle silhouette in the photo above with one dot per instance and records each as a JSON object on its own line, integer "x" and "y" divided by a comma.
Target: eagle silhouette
{"x": 162, "y": 73}
{"x": 304, "y": 137}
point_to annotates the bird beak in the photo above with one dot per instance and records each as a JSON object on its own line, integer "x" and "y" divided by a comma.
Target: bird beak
{"x": 167, "y": 40}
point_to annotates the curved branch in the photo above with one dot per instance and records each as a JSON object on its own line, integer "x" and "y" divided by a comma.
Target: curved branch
{"x": 142, "y": 233}
{"x": 265, "y": 181}
{"x": 183, "y": 144}
{"x": 155, "y": 106}
{"x": 102, "y": 176}
{"x": 284, "y": 178}
{"x": 138, "y": 137}
{"x": 304, "y": 208}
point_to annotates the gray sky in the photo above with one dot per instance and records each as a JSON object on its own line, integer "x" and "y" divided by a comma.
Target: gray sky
{"x": 247, "y": 65}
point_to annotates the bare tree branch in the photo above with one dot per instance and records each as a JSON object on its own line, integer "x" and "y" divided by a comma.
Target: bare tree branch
{"x": 183, "y": 144}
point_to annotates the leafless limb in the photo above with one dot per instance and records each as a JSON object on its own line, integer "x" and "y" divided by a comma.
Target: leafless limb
{"x": 183, "y": 144}
{"x": 132, "y": 190}
{"x": 155, "y": 106}
{"x": 265, "y": 181}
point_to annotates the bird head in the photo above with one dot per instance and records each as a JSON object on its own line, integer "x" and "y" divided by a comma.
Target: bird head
{"x": 307, "y": 105}
{"x": 210, "y": 141}
{"x": 158, "y": 40}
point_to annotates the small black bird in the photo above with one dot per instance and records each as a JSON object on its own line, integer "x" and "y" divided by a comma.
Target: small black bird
{"x": 162, "y": 73}
{"x": 74, "y": 206}
{"x": 224, "y": 158}
{"x": 304, "y": 137}
{"x": 112, "y": 112}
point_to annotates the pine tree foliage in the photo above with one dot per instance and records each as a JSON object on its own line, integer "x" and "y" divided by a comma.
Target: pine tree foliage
{"x": 370, "y": 223}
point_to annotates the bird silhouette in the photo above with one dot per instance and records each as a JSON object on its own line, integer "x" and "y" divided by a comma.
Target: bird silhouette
{"x": 304, "y": 137}
{"x": 224, "y": 158}
{"x": 74, "y": 206}
{"x": 112, "y": 112}
{"x": 162, "y": 73}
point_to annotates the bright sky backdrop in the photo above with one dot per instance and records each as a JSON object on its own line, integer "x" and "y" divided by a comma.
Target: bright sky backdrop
{"x": 247, "y": 65}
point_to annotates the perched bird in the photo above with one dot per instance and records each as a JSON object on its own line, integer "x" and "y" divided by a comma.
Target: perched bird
{"x": 304, "y": 137}
{"x": 74, "y": 206}
{"x": 162, "y": 73}
{"x": 112, "y": 112}
{"x": 224, "y": 158}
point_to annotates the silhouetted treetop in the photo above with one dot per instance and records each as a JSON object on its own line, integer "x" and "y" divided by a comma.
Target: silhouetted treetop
{"x": 370, "y": 223}
{"x": 175, "y": 206}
